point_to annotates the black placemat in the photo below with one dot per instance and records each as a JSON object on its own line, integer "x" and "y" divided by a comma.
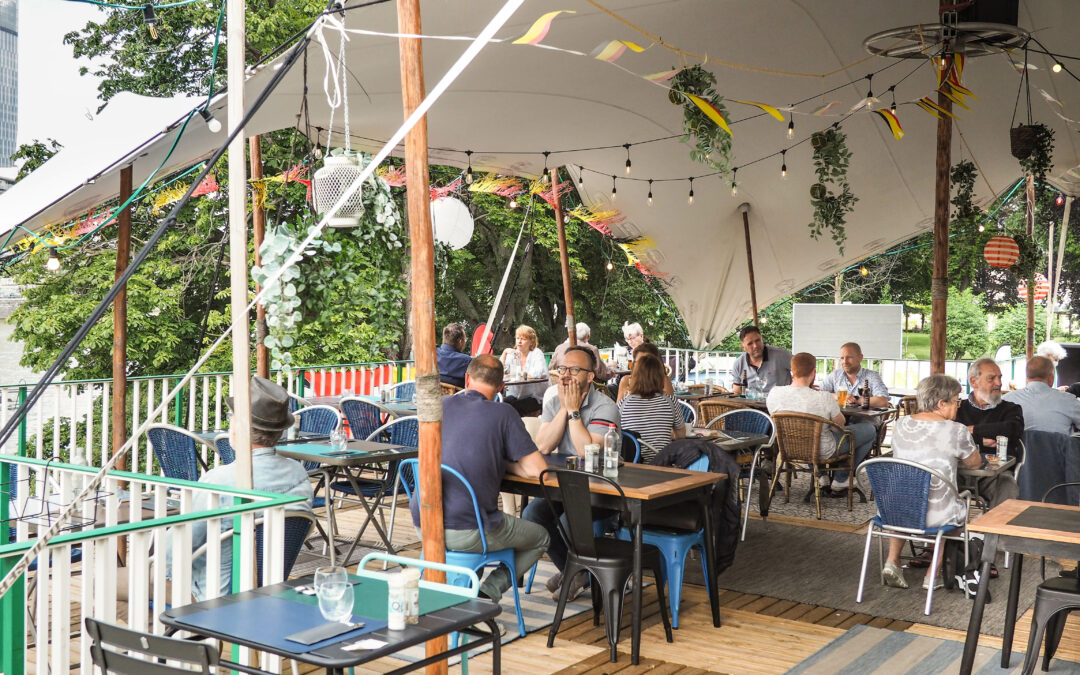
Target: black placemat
{"x": 636, "y": 476}
{"x": 1046, "y": 518}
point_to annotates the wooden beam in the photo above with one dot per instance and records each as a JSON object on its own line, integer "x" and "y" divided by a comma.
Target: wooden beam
{"x": 258, "y": 224}
{"x": 744, "y": 209}
{"x": 422, "y": 311}
{"x": 119, "y": 356}
{"x": 564, "y": 262}
{"x": 939, "y": 284}
{"x": 1029, "y": 219}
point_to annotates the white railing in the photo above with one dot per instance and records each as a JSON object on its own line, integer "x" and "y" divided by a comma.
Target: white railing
{"x": 78, "y": 574}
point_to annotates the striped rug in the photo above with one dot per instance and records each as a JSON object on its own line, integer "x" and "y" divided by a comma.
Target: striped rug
{"x": 877, "y": 650}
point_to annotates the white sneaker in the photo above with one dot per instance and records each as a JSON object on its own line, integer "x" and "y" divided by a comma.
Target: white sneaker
{"x": 938, "y": 583}
{"x": 837, "y": 486}
{"x": 891, "y": 575}
{"x": 823, "y": 481}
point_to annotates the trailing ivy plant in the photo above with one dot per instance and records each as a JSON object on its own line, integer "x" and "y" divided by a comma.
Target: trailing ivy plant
{"x": 1037, "y": 164}
{"x": 831, "y": 196}
{"x": 711, "y": 144}
{"x": 346, "y": 257}
{"x": 1041, "y": 159}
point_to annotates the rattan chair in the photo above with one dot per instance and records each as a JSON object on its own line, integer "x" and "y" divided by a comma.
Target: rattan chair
{"x": 711, "y": 408}
{"x": 798, "y": 437}
{"x": 448, "y": 389}
{"x": 908, "y": 405}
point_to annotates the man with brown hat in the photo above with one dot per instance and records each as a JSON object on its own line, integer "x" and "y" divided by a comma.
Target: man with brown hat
{"x": 270, "y": 417}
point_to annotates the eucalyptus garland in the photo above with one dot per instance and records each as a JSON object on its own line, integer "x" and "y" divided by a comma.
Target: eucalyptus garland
{"x": 711, "y": 144}
{"x": 831, "y": 196}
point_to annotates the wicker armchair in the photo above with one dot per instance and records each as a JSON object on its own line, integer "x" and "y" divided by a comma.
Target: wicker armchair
{"x": 448, "y": 389}
{"x": 907, "y": 406}
{"x": 798, "y": 437}
{"x": 711, "y": 408}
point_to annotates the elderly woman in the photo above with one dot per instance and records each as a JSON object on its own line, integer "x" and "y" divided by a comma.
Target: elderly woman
{"x": 654, "y": 416}
{"x": 634, "y": 334}
{"x": 527, "y": 362}
{"x": 624, "y": 383}
{"x": 933, "y": 438}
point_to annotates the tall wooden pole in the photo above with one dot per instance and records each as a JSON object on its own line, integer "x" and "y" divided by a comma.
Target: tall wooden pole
{"x": 119, "y": 358}
{"x": 238, "y": 259}
{"x": 939, "y": 284}
{"x": 744, "y": 209}
{"x": 429, "y": 395}
{"x": 564, "y": 262}
{"x": 258, "y": 225}
{"x": 1029, "y": 219}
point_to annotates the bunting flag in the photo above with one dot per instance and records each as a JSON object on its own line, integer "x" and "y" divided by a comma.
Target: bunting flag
{"x": 825, "y": 109}
{"x": 291, "y": 175}
{"x": 958, "y": 100}
{"x": 869, "y": 102}
{"x": 648, "y": 272}
{"x": 933, "y": 108}
{"x": 710, "y": 111}
{"x": 631, "y": 254}
{"x": 454, "y": 187}
{"x": 1020, "y": 67}
{"x": 764, "y": 106}
{"x": 540, "y": 28}
{"x": 601, "y": 221}
{"x": 258, "y": 193}
{"x": 208, "y": 185}
{"x": 168, "y": 196}
{"x": 664, "y": 76}
{"x": 545, "y": 191}
{"x": 498, "y": 185}
{"x": 1049, "y": 99}
{"x": 892, "y": 121}
{"x": 611, "y": 50}
{"x": 393, "y": 175}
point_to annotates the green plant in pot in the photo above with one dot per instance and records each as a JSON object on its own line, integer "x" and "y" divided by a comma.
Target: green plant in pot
{"x": 831, "y": 195}
{"x": 711, "y": 144}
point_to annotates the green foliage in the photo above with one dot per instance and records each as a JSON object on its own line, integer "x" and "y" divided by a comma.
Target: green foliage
{"x": 1041, "y": 159}
{"x": 831, "y": 196}
{"x": 34, "y": 155}
{"x": 965, "y": 245}
{"x": 712, "y": 145}
{"x": 965, "y": 325}
{"x": 1011, "y": 328}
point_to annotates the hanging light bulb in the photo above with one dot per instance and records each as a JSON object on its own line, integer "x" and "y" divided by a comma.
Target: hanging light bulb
{"x": 610, "y": 266}
{"x": 614, "y": 192}
{"x": 627, "y": 146}
{"x": 690, "y": 197}
{"x": 650, "y": 191}
{"x": 53, "y": 263}
{"x": 791, "y": 126}
{"x": 318, "y": 151}
{"x": 581, "y": 176}
{"x": 1056, "y": 67}
{"x": 870, "y": 91}
{"x": 150, "y": 19}
{"x": 982, "y": 228}
{"x": 566, "y": 219}
{"x": 863, "y": 271}
{"x": 1060, "y": 199}
{"x": 892, "y": 108}
{"x": 734, "y": 184}
{"x": 545, "y": 178}
{"x": 212, "y": 123}
{"x": 783, "y": 165}
{"x": 513, "y": 203}
{"x": 468, "y": 172}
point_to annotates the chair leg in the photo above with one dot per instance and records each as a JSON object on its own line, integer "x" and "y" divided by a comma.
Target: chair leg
{"x": 817, "y": 491}
{"x": 776, "y": 477}
{"x": 1054, "y": 627}
{"x": 934, "y": 563}
{"x": 865, "y": 561}
{"x": 851, "y": 480}
{"x": 517, "y": 599}
{"x": 749, "y": 490}
{"x": 663, "y": 603}
{"x": 532, "y": 575}
{"x": 568, "y": 574}
{"x": 613, "y": 601}
{"x": 1038, "y": 627}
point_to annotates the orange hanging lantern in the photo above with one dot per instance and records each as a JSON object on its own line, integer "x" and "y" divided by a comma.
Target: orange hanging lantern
{"x": 1001, "y": 251}
{"x": 1042, "y": 289}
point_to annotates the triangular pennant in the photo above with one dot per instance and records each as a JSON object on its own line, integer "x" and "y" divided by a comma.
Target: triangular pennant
{"x": 893, "y": 122}
{"x": 610, "y": 51}
{"x": 540, "y": 28}
{"x": 825, "y": 109}
{"x": 710, "y": 111}
{"x": 764, "y": 106}
{"x": 664, "y": 76}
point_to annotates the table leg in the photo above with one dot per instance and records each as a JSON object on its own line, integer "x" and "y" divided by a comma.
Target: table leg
{"x": 331, "y": 523}
{"x": 635, "y": 598}
{"x": 971, "y": 643}
{"x": 496, "y": 647}
{"x": 1010, "y": 610}
{"x": 710, "y": 558}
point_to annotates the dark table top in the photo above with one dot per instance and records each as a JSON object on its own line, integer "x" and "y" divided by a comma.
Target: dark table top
{"x": 356, "y": 453}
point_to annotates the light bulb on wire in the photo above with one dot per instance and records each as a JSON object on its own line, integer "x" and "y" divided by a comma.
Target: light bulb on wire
{"x": 150, "y": 19}
{"x": 614, "y": 192}
{"x": 734, "y": 184}
{"x": 1056, "y": 67}
{"x": 627, "y": 146}
{"x": 468, "y": 172}
{"x": 545, "y": 178}
{"x": 870, "y": 91}
{"x": 892, "y": 108}
{"x": 212, "y": 123}
{"x": 863, "y": 271}
{"x": 581, "y": 176}
{"x": 53, "y": 263}
{"x": 690, "y": 197}
{"x": 982, "y": 228}
{"x": 610, "y": 266}
{"x": 791, "y": 126}
{"x": 783, "y": 165}
{"x": 650, "y": 191}
{"x": 513, "y": 203}
{"x": 1060, "y": 199}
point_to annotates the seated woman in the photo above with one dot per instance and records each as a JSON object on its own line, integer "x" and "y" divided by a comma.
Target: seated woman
{"x": 932, "y": 438}
{"x": 654, "y": 416}
{"x": 524, "y": 361}
{"x": 644, "y": 348}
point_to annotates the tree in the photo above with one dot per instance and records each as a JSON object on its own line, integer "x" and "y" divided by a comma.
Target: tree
{"x": 34, "y": 155}
{"x": 965, "y": 326}
{"x": 1011, "y": 328}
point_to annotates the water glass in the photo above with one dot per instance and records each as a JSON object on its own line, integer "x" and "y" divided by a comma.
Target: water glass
{"x": 338, "y": 440}
{"x": 335, "y": 601}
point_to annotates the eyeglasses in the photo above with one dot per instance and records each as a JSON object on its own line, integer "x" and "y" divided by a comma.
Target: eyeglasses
{"x": 573, "y": 370}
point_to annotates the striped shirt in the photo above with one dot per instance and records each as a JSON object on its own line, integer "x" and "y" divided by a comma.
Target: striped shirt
{"x": 652, "y": 419}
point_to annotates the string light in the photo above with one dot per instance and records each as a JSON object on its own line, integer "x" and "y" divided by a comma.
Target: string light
{"x": 791, "y": 125}
{"x": 982, "y": 228}
{"x": 610, "y": 266}
{"x": 1060, "y": 199}
{"x": 863, "y": 271}
{"x": 318, "y": 151}
{"x": 627, "y": 146}
{"x": 614, "y": 192}
{"x": 783, "y": 165}
{"x": 513, "y": 203}
{"x": 734, "y": 185}
{"x": 650, "y": 192}
{"x": 690, "y": 197}
{"x": 1056, "y": 67}
{"x": 892, "y": 90}
{"x": 544, "y": 178}
{"x": 212, "y": 123}
{"x": 150, "y": 19}
{"x": 869, "y": 91}
{"x": 468, "y": 172}
{"x": 53, "y": 263}
{"x": 580, "y": 176}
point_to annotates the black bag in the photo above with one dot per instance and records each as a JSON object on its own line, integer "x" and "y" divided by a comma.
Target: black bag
{"x": 960, "y": 576}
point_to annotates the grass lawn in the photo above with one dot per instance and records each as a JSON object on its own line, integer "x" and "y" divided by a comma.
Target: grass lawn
{"x": 917, "y": 346}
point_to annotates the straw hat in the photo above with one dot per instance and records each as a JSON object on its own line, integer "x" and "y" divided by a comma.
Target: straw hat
{"x": 269, "y": 406}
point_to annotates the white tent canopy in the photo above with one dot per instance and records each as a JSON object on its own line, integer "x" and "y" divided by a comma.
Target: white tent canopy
{"x": 517, "y": 101}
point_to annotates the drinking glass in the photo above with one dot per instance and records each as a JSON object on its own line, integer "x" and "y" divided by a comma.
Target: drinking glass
{"x": 334, "y": 592}
{"x": 338, "y": 440}
{"x": 841, "y": 397}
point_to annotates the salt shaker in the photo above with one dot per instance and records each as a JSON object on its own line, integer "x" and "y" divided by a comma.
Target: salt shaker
{"x": 395, "y": 602}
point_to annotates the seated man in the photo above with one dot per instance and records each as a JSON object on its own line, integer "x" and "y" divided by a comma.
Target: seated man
{"x": 573, "y": 416}
{"x": 800, "y": 397}
{"x": 484, "y": 441}
{"x": 987, "y": 416}
{"x": 451, "y": 357}
{"x": 1045, "y": 408}
{"x": 270, "y": 416}
{"x": 851, "y": 376}
{"x": 762, "y": 366}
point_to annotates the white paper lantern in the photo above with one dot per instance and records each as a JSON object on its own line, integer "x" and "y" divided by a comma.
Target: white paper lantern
{"x": 452, "y": 222}
{"x": 338, "y": 172}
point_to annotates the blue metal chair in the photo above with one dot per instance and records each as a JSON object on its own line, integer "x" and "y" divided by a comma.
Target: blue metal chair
{"x": 175, "y": 450}
{"x": 674, "y": 546}
{"x": 631, "y": 447}
{"x": 751, "y": 421}
{"x": 297, "y": 528}
{"x": 318, "y": 419}
{"x": 363, "y": 416}
{"x": 688, "y": 412}
{"x": 902, "y": 491}
{"x": 403, "y": 391}
{"x": 295, "y": 403}
{"x": 408, "y": 471}
{"x": 225, "y": 449}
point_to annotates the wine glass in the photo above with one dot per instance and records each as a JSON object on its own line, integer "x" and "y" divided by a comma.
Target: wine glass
{"x": 338, "y": 440}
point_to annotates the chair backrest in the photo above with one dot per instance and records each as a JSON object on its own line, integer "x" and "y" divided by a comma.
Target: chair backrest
{"x": 699, "y": 464}
{"x": 908, "y": 405}
{"x": 631, "y": 447}
{"x": 401, "y": 431}
{"x": 750, "y": 420}
{"x": 319, "y": 419}
{"x": 403, "y": 391}
{"x": 573, "y": 491}
{"x": 297, "y": 528}
{"x": 711, "y": 408}
{"x": 470, "y": 591}
{"x": 225, "y": 449}
{"x": 448, "y": 389}
{"x": 902, "y": 490}
{"x": 798, "y": 435}
{"x": 688, "y": 412}
{"x": 364, "y": 416}
{"x": 295, "y": 403}
{"x": 115, "y": 649}
{"x": 409, "y": 471}
{"x": 175, "y": 450}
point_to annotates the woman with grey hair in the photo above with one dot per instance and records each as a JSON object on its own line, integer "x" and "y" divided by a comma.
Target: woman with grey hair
{"x": 633, "y": 333}
{"x": 933, "y": 438}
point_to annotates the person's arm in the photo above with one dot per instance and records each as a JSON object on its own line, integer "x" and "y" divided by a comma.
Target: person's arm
{"x": 972, "y": 461}
{"x": 668, "y": 389}
{"x": 551, "y": 432}
{"x": 834, "y": 412}
{"x": 879, "y": 393}
{"x": 624, "y": 389}
{"x": 737, "y": 376}
{"x": 1011, "y": 425}
{"x": 529, "y": 466}
{"x": 839, "y": 419}
{"x": 678, "y": 429}
{"x": 535, "y": 365}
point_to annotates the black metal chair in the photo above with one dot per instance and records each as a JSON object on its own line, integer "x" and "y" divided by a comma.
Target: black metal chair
{"x": 608, "y": 561}
{"x": 128, "y": 652}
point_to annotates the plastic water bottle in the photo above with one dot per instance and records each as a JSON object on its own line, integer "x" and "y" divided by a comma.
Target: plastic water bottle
{"x": 611, "y": 453}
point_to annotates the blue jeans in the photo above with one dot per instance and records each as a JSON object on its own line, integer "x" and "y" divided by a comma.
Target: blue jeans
{"x": 864, "y": 435}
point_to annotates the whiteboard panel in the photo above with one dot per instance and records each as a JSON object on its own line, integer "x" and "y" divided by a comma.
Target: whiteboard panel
{"x": 822, "y": 329}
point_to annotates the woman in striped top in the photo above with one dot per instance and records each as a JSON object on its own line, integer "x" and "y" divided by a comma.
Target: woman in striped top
{"x": 647, "y": 410}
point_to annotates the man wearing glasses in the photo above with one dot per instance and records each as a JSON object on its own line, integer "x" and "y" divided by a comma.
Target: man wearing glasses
{"x": 573, "y": 416}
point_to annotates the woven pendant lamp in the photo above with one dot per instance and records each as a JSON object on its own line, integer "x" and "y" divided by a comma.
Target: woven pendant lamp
{"x": 338, "y": 172}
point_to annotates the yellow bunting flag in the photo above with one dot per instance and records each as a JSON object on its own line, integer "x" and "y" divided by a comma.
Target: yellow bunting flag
{"x": 710, "y": 111}
{"x": 258, "y": 193}
{"x": 892, "y": 121}
{"x": 610, "y": 51}
{"x": 540, "y": 28}
{"x": 168, "y": 196}
{"x": 958, "y": 100}
{"x": 631, "y": 256}
{"x": 933, "y": 108}
{"x": 764, "y": 106}
{"x": 664, "y": 76}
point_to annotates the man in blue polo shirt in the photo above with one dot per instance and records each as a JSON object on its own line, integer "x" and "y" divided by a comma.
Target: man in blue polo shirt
{"x": 484, "y": 441}
{"x": 451, "y": 356}
{"x": 851, "y": 375}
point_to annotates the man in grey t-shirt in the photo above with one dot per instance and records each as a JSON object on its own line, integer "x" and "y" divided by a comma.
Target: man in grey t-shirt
{"x": 761, "y": 366}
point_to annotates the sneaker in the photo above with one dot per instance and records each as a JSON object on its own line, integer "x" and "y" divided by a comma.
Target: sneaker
{"x": 938, "y": 583}
{"x": 891, "y": 575}
{"x": 578, "y": 584}
{"x": 823, "y": 481}
{"x": 838, "y": 486}
{"x": 554, "y": 582}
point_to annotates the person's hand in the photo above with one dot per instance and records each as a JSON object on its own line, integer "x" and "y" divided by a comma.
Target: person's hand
{"x": 990, "y": 442}
{"x": 575, "y": 394}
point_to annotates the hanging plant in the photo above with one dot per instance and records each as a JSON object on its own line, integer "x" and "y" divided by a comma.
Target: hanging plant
{"x": 305, "y": 286}
{"x": 831, "y": 196}
{"x": 711, "y": 144}
{"x": 1041, "y": 158}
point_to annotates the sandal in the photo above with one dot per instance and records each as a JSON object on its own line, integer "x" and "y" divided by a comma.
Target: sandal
{"x": 993, "y": 572}
{"x": 922, "y": 560}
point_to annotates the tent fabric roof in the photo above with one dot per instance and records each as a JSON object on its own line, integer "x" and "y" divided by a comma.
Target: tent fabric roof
{"x": 517, "y": 101}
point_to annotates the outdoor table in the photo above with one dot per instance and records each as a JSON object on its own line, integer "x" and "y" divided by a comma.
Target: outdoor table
{"x": 646, "y": 488}
{"x": 520, "y": 383}
{"x": 1023, "y": 528}
{"x": 262, "y": 617}
{"x": 211, "y": 435}
{"x": 969, "y": 478}
{"x": 691, "y": 396}
{"x": 358, "y": 454}
{"x": 395, "y": 408}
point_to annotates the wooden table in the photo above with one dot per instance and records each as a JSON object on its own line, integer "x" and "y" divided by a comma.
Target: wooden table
{"x": 646, "y": 487}
{"x": 1022, "y": 528}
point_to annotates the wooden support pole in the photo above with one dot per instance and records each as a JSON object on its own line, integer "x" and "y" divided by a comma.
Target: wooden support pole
{"x": 1029, "y": 219}
{"x": 564, "y": 262}
{"x": 422, "y": 311}
{"x": 258, "y": 224}
{"x": 744, "y": 209}
{"x": 119, "y": 356}
{"x": 939, "y": 284}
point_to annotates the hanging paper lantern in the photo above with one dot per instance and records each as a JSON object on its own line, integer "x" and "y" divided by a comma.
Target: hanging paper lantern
{"x": 452, "y": 222}
{"x": 1001, "y": 251}
{"x": 1042, "y": 289}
